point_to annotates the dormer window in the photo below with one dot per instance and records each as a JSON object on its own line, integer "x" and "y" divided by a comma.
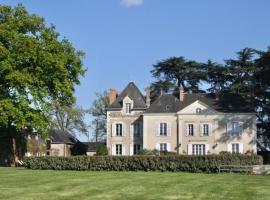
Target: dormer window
{"x": 128, "y": 108}
{"x": 198, "y": 110}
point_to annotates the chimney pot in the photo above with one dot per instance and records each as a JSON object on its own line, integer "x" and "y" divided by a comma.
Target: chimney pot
{"x": 181, "y": 93}
{"x": 112, "y": 95}
{"x": 148, "y": 97}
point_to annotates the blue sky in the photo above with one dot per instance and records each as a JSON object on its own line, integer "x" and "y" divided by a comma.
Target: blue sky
{"x": 122, "y": 39}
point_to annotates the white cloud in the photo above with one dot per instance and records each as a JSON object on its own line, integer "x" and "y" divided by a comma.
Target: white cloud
{"x": 130, "y": 3}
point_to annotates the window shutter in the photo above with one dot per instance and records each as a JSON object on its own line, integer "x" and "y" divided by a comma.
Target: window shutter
{"x": 113, "y": 150}
{"x": 131, "y": 130}
{"x": 206, "y": 148}
{"x": 124, "y": 129}
{"x": 157, "y": 129}
{"x": 131, "y": 149}
{"x": 210, "y": 129}
{"x": 241, "y": 148}
{"x": 201, "y": 130}
{"x": 189, "y": 149}
{"x": 229, "y": 148}
{"x": 123, "y": 150}
{"x": 229, "y": 128}
{"x": 195, "y": 130}
{"x": 169, "y": 129}
{"x": 113, "y": 127}
{"x": 186, "y": 129}
{"x": 158, "y": 146}
{"x": 168, "y": 147}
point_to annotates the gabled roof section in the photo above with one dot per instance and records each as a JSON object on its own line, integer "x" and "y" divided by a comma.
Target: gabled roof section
{"x": 133, "y": 92}
{"x": 227, "y": 103}
{"x": 62, "y": 137}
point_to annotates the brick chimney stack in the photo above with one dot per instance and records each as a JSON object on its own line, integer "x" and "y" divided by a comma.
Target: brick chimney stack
{"x": 112, "y": 95}
{"x": 148, "y": 97}
{"x": 181, "y": 93}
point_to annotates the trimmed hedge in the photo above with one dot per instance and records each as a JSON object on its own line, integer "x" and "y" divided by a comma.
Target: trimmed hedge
{"x": 177, "y": 163}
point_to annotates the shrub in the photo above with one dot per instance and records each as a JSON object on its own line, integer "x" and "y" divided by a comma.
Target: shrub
{"x": 209, "y": 163}
{"x": 102, "y": 150}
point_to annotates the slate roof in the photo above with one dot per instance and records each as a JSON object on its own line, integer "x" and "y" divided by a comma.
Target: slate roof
{"x": 92, "y": 146}
{"x": 62, "y": 137}
{"x": 230, "y": 103}
{"x": 134, "y": 94}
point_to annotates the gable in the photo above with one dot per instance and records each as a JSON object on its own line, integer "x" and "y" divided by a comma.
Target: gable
{"x": 192, "y": 108}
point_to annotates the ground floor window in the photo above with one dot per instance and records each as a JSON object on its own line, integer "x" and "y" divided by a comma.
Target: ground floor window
{"x": 136, "y": 149}
{"x": 163, "y": 147}
{"x": 235, "y": 148}
{"x": 118, "y": 149}
{"x": 198, "y": 149}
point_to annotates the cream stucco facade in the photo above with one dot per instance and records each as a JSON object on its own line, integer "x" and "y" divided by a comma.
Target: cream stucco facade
{"x": 189, "y": 124}
{"x": 219, "y": 138}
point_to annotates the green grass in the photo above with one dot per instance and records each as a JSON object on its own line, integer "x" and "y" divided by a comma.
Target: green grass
{"x": 48, "y": 185}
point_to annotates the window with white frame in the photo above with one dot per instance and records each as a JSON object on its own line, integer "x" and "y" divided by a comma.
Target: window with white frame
{"x": 119, "y": 149}
{"x": 128, "y": 108}
{"x": 163, "y": 147}
{"x": 163, "y": 129}
{"x": 235, "y": 128}
{"x": 190, "y": 129}
{"x": 235, "y": 148}
{"x": 119, "y": 129}
{"x": 137, "y": 129}
{"x": 198, "y": 149}
{"x": 136, "y": 148}
{"x": 205, "y": 129}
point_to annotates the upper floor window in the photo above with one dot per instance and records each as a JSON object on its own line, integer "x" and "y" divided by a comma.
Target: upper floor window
{"x": 235, "y": 128}
{"x": 198, "y": 110}
{"x": 137, "y": 129}
{"x": 119, "y": 129}
{"x": 128, "y": 108}
{"x": 205, "y": 130}
{"x": 163, "y": 129}
{"x": 190, "y": 129}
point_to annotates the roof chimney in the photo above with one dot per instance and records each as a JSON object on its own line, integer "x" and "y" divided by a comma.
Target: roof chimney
{"x": 112, "y": 95}
{"x": 148, "y": 97}
{"x": 181, "y": 93}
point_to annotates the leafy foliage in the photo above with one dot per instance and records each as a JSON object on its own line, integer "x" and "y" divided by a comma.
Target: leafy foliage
{"x": 102, "y": 150}
{"x": 36, "y": 67}
{"x": 209, "y": 163}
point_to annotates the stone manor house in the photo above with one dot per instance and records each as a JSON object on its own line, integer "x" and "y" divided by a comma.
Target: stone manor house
{"x": 185, "y": 123}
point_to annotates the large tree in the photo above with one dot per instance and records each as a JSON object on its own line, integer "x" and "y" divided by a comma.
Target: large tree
{"x": 36, "y": 67}
{"x": 216, "y": 76}
{"x": 98, "y": 111}
{"x": 241, "y": 72}
{"x": 262, "y": 94}
{"x": 178, "y": 71}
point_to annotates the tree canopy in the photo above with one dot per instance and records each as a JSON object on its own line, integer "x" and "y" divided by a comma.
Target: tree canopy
{"x": 36, "y": 67}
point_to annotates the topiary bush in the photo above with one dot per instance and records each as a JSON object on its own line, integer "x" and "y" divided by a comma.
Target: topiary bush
{"x": 208, "y": 163}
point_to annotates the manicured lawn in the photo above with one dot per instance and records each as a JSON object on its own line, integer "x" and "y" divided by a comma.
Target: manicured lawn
{"x": 38, "y": 185}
